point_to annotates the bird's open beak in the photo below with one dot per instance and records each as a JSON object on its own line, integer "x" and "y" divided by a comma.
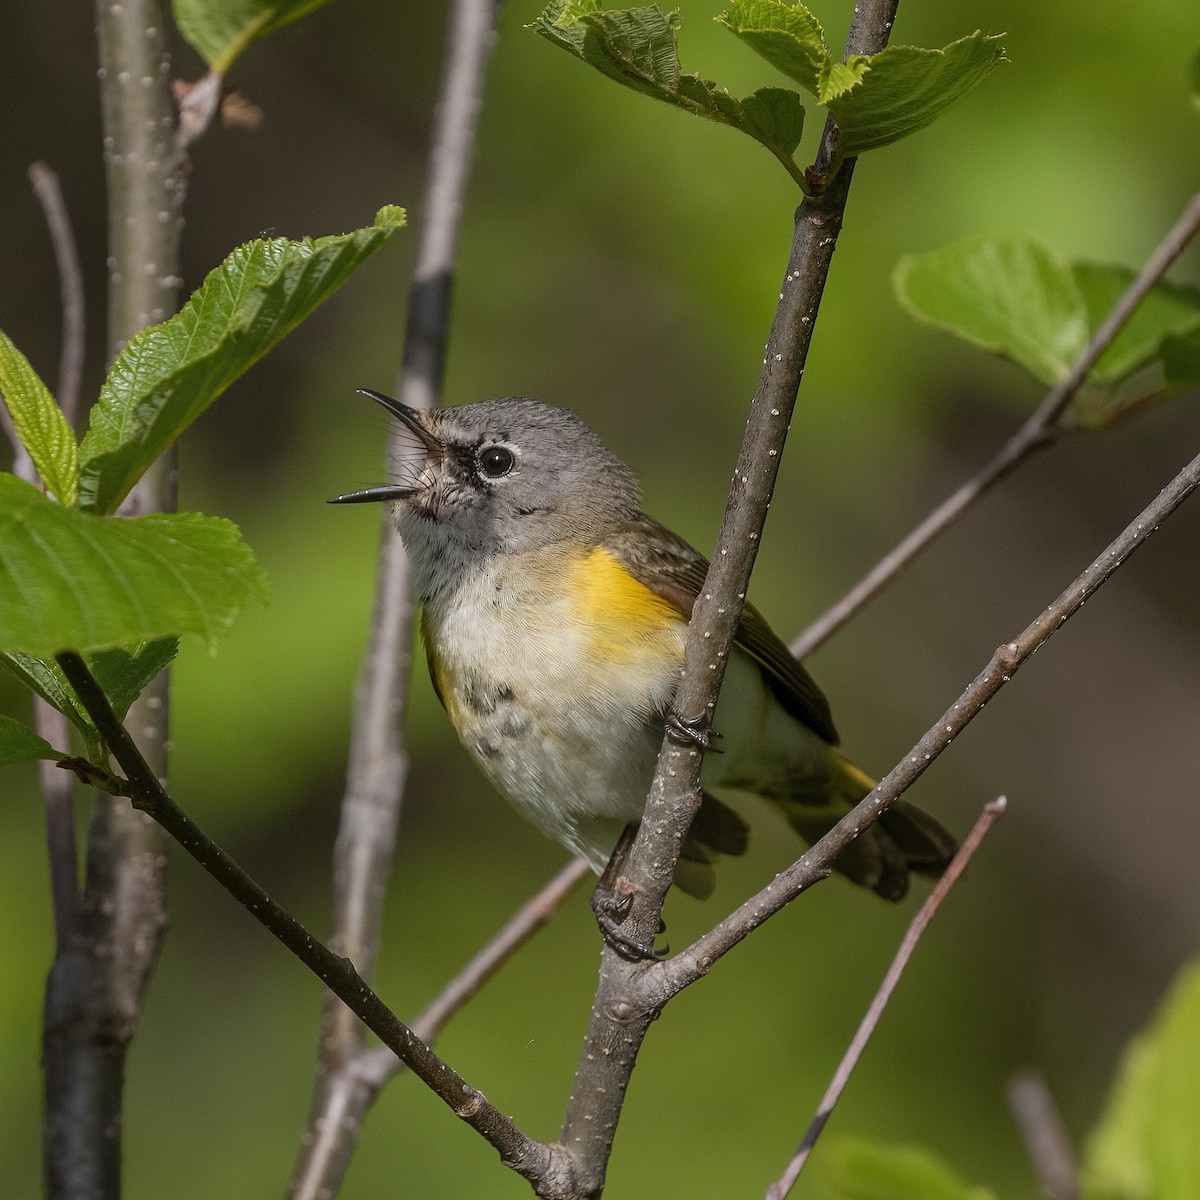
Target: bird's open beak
{"x": 411, "y": 419}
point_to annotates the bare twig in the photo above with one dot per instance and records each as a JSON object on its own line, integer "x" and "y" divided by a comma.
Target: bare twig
{"x": 378, "y": 761}
{"x": 1044, "y": 426}
{"x": 619, "y": 1023}
{"x": 866, "y": 1030}
{"x": 1045, "y": 1137}
{"x": 657, "y": 985}
{"x": 198, "y": 103}
{"x": 534, "y": 1160}
{"x": 70, "y": 282}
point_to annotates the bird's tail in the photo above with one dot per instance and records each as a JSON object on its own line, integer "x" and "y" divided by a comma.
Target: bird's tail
{"x": 903, "y": 840}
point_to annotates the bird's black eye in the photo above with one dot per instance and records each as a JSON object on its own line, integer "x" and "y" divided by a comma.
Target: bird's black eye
{"x": 496, "y": 461}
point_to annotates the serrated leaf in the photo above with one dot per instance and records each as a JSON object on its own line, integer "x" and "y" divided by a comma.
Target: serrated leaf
{"x": 124, "y": 672}
{"x": 220, "y": 30}
{"x": 18, "y": 743}
{"x": 72, "y": 580}
{"x": 169, "y": 374}
{"x": 1011, "y": 294}
{"x": 904, "y": 88}
{"x": 788, "y": 36}
{"x": 40, "y": 424}
{"x": 861, "y": 1170}
{"x": 1145, "y": 1147}
{"x": 1168, "y": 310}
{"x": 639, "y": 48}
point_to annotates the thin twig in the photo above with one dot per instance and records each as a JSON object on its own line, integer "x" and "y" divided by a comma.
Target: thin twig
{"x": 1044, "y": 1136}
{"x": 70, "y": 283}
{"x": 1044, "y": 426}
{"x": 866, "y": 1030}
{"x": 660, "y": 983}
{"x": 527, "y": 1157}
{"x": 378, "y": 761}
{"x": 618, "y": 1026}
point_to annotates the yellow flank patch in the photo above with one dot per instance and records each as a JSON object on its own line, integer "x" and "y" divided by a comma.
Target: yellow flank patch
{"x": 625, "y": 618}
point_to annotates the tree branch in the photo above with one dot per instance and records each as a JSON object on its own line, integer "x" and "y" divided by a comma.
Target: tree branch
{"x": 866, "y": 1030}
{"x": 1045, "y": 1138}
{"x": 619, "y": 1021}
{"x": 534, "y": 1160}
{"x": 1044, "y": 426}
{"x": 378, "y": 762}
{"x": 93, "y": 993}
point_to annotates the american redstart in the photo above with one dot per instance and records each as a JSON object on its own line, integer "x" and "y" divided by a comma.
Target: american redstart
{"x": 554, "y": 614}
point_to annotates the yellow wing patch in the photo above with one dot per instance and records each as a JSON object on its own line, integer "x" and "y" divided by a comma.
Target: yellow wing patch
{"x": 624, "y": 618}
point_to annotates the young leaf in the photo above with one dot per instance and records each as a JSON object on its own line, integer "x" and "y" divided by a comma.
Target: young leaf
{"x": 905, "y": 88}
{"x": 1169, "y": 310}
{"x": 1145, "y": 1147}
{"x": 124, "y": 672}
{"x": 45, "y": 678}
{"x": 220, "y": 30}
{"x": 789, "y": 37}
{"x": 860, "y": 1170}
{"x": 40, "y": 423}
{"x": 71, "y": 580}
{"x": 169, "y": 374}
{"x": 19, "y": 743}
{"x": 639, "y": 48}
{"x": 1010, "y": 294}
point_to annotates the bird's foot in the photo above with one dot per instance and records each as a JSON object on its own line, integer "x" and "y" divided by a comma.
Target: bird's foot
{"x": 692, "y": 731}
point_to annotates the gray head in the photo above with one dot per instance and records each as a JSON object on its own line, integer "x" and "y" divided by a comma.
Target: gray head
{"x": 500, "y": 477}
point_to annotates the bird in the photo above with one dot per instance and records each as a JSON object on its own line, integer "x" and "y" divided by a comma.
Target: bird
{"x": 554, "y": 613}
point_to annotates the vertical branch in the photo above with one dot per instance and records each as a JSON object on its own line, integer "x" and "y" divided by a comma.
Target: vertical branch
{"x": 378, "y": 760}
{"x": 93, "y": 994}
{"x": 619, "y": 1022}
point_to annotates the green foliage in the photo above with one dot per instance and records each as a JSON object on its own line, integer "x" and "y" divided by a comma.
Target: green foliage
{"x": 220, "y": 30}
{"x": 169, "y": 374}
{"x": 1146, "y": 1144}
{"x": 71, "y": 580}
{"x": 875, "y": 100}
{"x": 1013, "y": 295}
{"x": 18, "y": 743}
{"x": 639, "y": 47}
{"x": 40, "y": 423}
{"x": 860, "y": 1170}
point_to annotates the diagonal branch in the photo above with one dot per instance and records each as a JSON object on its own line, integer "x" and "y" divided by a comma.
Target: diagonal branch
{"x": 534, "y": 1160}
{"x": 378, "y": 761}
{"x": 992, "y": 812}
{"x": 1044, "y": 426}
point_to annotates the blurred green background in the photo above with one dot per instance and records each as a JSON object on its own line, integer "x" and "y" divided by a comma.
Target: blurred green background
{"x": 623, "y": 259}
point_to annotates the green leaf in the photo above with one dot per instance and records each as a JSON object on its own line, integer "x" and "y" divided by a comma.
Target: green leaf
{"x": 18, "y": 743}
{"x": 45, "y": 678}
{"x": 169, "y": 374}
{"x": 1168, "y": 310}
{"x": 639, "y": 48}
{"x": 1010, "y": 294}
{"x": 905, "y": 88}
{"x": 71, "y": 580}
{"x": 125, "y": 671}
{"x": 40, "y": 423}
{"x": 859, "y": 1170}
{"x": 1146, "y": 1147}
{"x": 221, "y": 29}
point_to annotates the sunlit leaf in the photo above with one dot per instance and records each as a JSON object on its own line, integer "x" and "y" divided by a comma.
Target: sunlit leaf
{"x": 1146, "y": 1147}
{"x": 169, "y": 374}
{"x": 18, "y": 743}
{"x": 40, "y": 423}
{"x": 904, "y": 88}
{"x": 72, "y": 580}
{"x": 1010, "y": 294}
{"x": 638, "y": 47}
{"x": 861, "y": 1170}
{"x": 220, "y": 30}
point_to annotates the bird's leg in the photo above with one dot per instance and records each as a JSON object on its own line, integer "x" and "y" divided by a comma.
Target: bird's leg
{"x": 611, "y": 905}
{"x": 691, "y": 731}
